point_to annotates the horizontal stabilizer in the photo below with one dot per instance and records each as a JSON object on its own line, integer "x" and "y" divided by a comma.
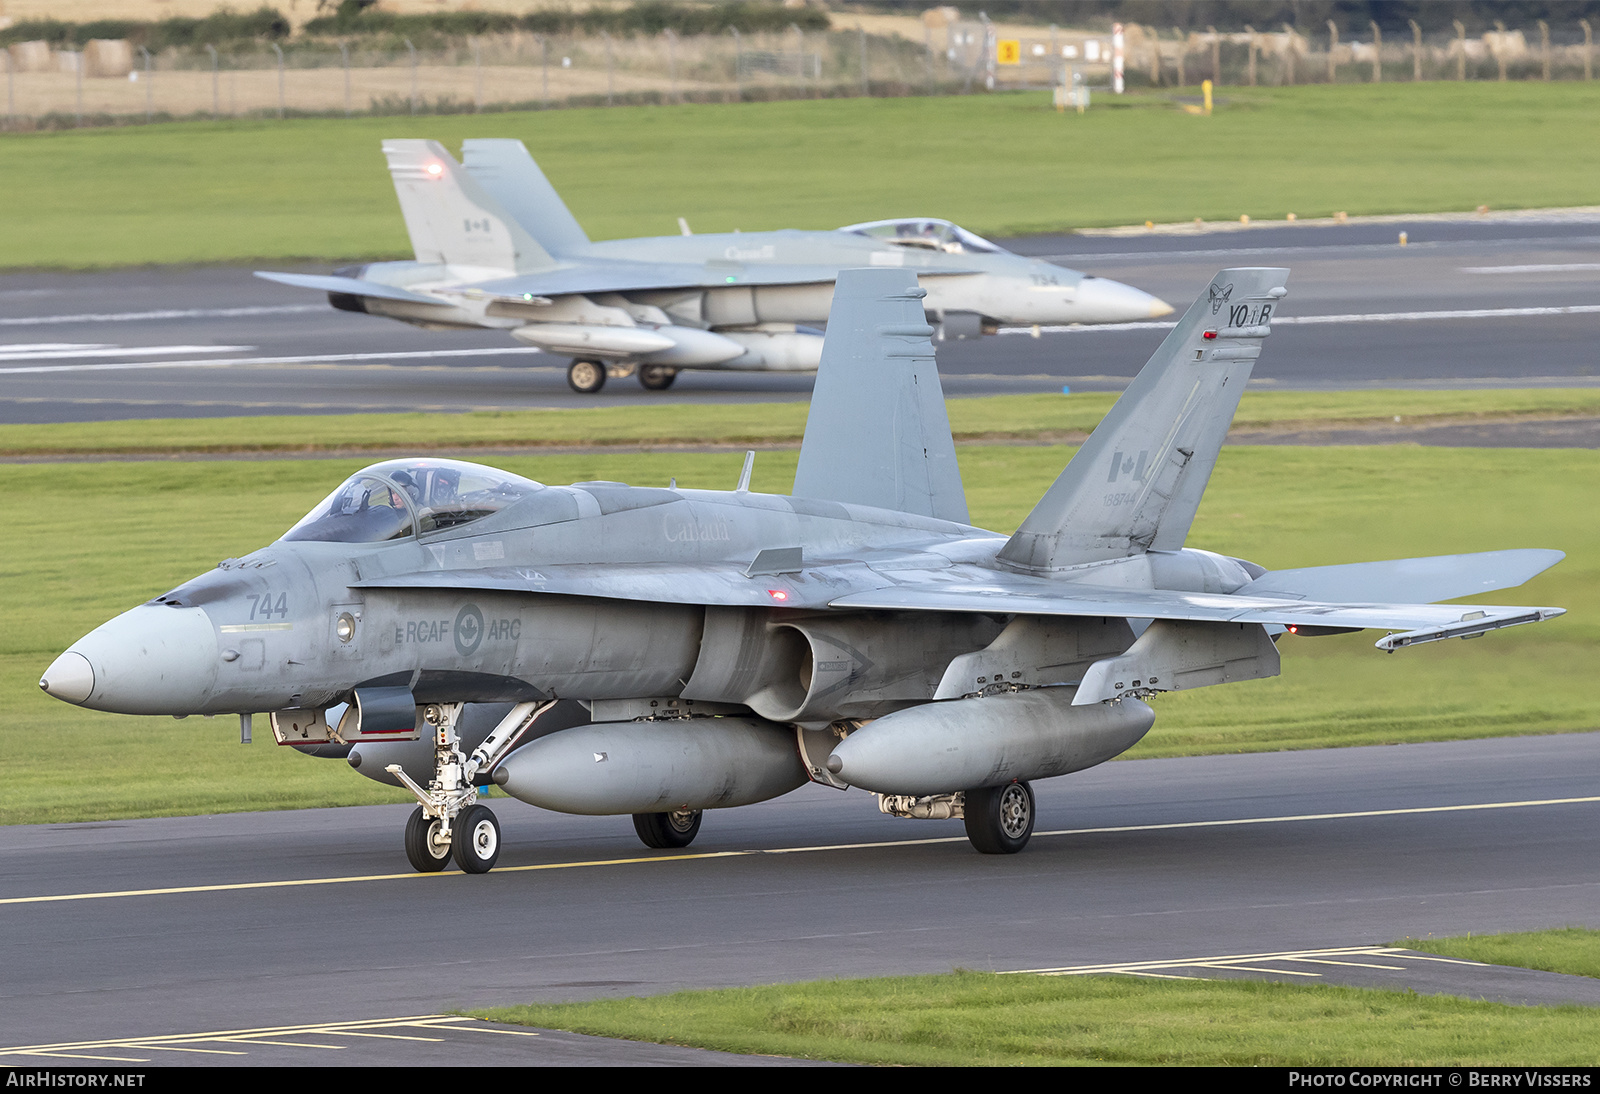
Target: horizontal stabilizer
{"x": 1441, "y": 577}
{"x": 877, "y": 433}
{"x": 1135, "y": 484}
{"x": 351, "y": 286}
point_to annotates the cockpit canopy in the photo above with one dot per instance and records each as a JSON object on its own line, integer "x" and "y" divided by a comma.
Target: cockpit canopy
{"x": 926, "y": 234}
{"x": 401, "y": 498}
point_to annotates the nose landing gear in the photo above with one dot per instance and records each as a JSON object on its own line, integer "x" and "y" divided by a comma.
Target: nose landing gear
{"x": 448, "y": 821}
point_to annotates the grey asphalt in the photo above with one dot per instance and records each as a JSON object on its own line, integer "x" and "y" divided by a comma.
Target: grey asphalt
{"x": 1181, "y": 860}
{"x": 1356, "y": 270}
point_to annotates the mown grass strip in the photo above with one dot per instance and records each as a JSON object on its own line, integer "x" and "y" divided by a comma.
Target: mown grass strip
{"x": 973, "y": 1018}
{"x": 1574, "y": 950}
{"x": 87, "y": 540}
{"x": 992, "y": 418}
{"x": 999, "y": 164}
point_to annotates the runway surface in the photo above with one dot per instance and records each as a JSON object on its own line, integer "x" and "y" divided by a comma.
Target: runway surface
{"x": 1475, "y": 303}
{"x": 185, "y": 926}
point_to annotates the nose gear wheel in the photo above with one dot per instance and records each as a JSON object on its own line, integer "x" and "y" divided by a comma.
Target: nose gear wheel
{"x": 476, "y": 842}
{"x": 423, "y": 847}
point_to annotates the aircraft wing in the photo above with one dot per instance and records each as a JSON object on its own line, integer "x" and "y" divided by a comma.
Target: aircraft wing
{"x": 587, "y": 276}
{"x": 963, "y": 588}
{"x": 597, "y": 276}
{"x": 1419, "y": 622}
{"x": 1441, "y": 577}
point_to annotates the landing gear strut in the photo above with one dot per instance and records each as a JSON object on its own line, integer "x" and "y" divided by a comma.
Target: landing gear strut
{"x": 999, "y": 819}
{"x": 448, "y": 821}
{"x": 586, "y": 377}
{"x": 668, "y": 829}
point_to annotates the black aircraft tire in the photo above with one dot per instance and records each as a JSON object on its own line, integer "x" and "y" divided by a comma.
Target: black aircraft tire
{"x": 425, "y": 856}
{"x": 586, "y": 377}
{"x": 476, "y": 841}
{"x": 667, "y": 829}
{"x": 656, "y": 377}
{"x": 999, "y": 819}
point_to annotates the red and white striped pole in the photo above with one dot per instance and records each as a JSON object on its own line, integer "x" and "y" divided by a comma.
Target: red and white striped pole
{"x": 1116, "y": 58}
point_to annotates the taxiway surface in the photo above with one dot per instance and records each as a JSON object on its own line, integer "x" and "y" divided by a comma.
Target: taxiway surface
{"x": 132, "y": 929}
{"x": 1488, "y": 302}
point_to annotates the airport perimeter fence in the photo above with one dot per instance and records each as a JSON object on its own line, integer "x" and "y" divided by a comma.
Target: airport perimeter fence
{"x": 56, "y": 88}
{"x": 110, "y": 82}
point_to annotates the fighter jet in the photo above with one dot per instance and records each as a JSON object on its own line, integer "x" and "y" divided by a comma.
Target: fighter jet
{"x": 608, "y": 649}
{"x": 496, "y": 247}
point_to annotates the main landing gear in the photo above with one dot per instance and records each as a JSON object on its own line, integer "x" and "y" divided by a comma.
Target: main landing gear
{"x": 586, "y": 377}
{"x": 656, "y": 377}
{"x": 448, "y": 821}
{"x": 668, "y": 829}
{"x": 999, "y": 819}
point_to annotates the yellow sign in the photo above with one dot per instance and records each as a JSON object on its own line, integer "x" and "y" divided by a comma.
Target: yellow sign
{"x": 1008, "y": 51}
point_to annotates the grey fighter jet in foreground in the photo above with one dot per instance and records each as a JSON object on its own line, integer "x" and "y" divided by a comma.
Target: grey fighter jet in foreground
{"x": 722, "y": 648}
{"x": 497, "y": 248}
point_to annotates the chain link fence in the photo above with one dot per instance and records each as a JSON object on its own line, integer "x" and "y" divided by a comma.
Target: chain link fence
{"x": 109, "y": 82}
{"x": 103, "y": 83}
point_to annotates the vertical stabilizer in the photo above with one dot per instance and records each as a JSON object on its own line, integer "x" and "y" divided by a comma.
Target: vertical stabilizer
{"x": 451, "y": 219}
{"x": 877, "y": 433}
{"x": 1135, "y": 484}
{"x": 510, "y": 176}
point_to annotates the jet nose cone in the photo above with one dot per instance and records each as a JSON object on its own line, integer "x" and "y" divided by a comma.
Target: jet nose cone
{"x": 1103, "y": 301}
{"x": 70, "y": 677}
{"x": 154, "y": 659}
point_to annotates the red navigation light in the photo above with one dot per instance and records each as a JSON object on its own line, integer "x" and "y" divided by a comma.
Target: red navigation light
{"x": 1209, "y": 335}
{"x": 778, "y": 594}
{"x": 1293, "y": 629}
{"x": 435, "y": 169}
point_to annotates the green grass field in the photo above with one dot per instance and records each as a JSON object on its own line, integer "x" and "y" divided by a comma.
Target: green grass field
{"x": 91, "y": 539}
{"x": 1574, "y": 950}
{"x": 997, "y": 417}
{"x": 999, "y": 164}
{"x": 976, "y": 1019}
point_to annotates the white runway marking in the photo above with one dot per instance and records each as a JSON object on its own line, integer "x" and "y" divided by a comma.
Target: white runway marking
{"x": 1547, "y": 267}
{"x": 316, "y": 359}
{"x": 644, "y": 860}
{"x": 47, "y": 351}
{"x": 1356, "y": 317}
{"x": 1253, "y": 962}
{"x": 166, "y": 313}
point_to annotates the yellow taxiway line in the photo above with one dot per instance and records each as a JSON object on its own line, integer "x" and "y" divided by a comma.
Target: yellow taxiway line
{"x": 700, "y": 856}
{"x": 269, "y": 1035}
